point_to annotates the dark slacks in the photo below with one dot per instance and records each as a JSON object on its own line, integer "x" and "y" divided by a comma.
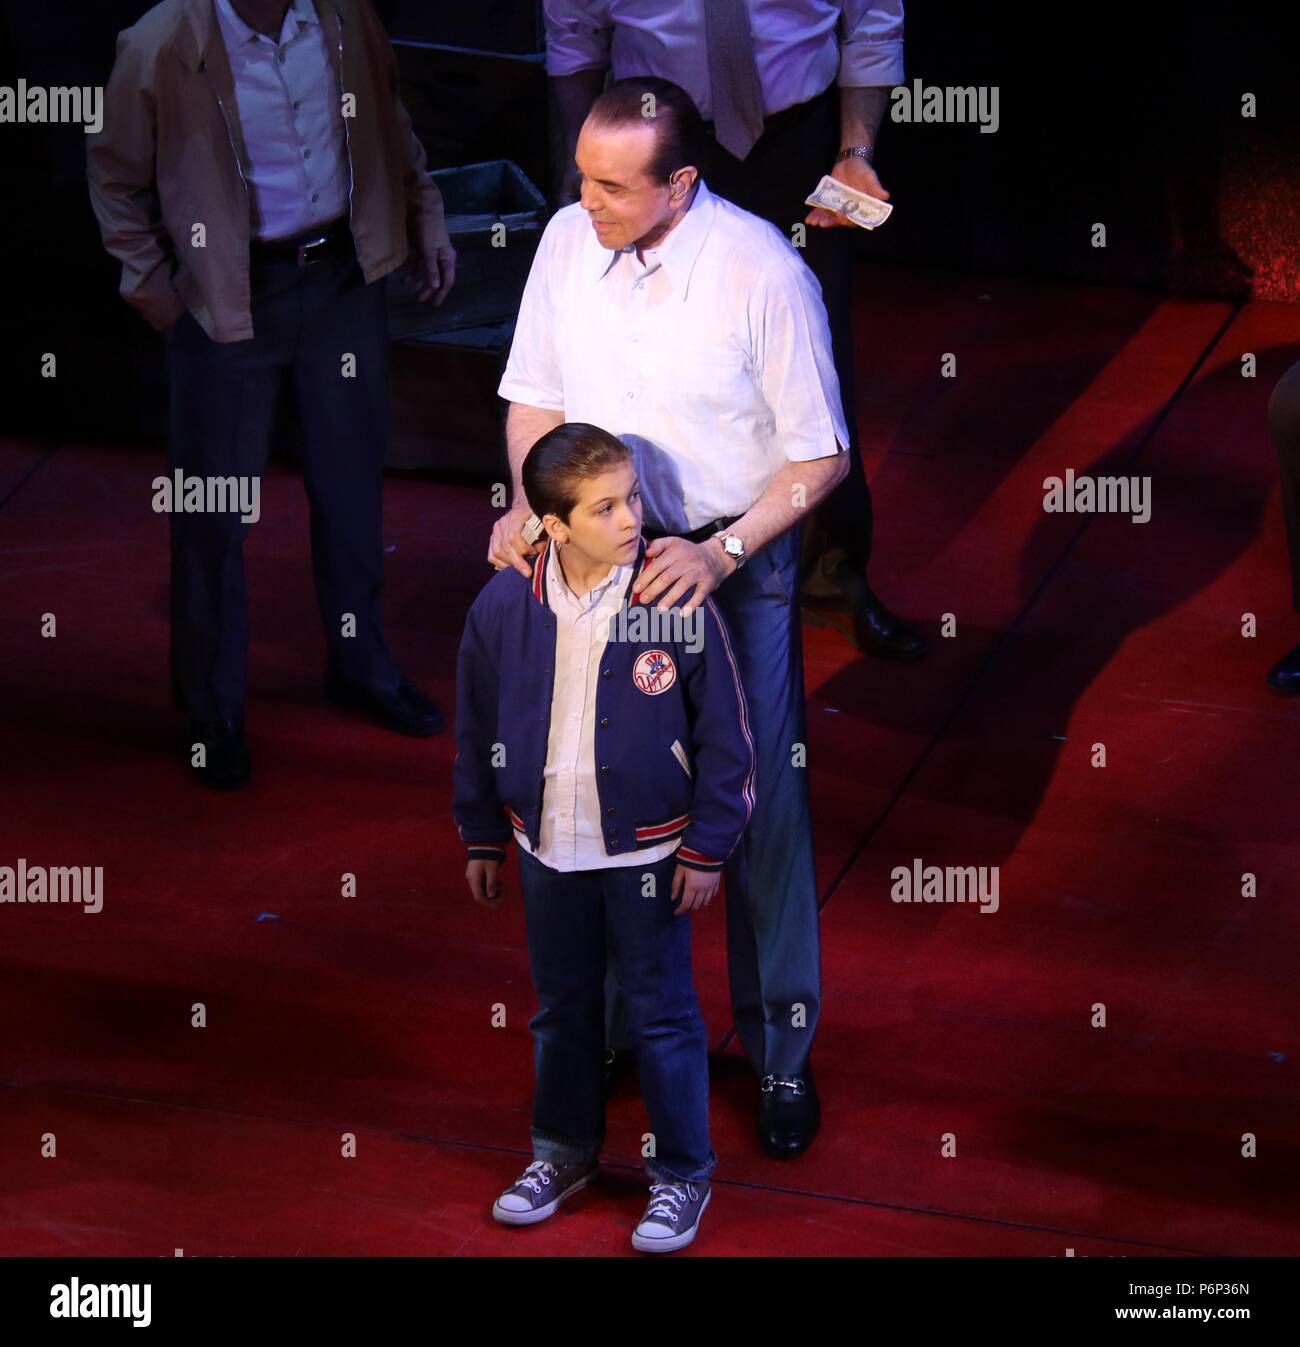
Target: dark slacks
{"x": 1284, "y": 425}
{"x": 797, "y": 146}
{"x": 321, "y": 338}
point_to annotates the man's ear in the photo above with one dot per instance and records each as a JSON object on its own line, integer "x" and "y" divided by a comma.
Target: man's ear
{"x": 683, "y": 180}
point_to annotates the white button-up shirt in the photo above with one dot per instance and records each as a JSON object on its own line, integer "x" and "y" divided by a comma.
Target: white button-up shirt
{"x": 797, "y": 48}
{"x": 289, "y": 112}
{"x": 711, "y": 359}
{"x": 572, "y": 835}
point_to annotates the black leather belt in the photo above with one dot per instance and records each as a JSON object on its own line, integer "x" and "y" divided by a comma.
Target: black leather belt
{"x": 315, "y": 245}
{"x": 699, "y": 535}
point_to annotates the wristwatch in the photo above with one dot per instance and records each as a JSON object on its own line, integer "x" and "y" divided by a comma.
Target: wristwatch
{"x": 856, "y": 152}
{"x": 733, "y": 547}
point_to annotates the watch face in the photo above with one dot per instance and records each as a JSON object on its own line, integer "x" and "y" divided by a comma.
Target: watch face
{"x": 734, "y": 547}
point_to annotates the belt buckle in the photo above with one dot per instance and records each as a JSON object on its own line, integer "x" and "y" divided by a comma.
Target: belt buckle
{"x": 310, "y": 243}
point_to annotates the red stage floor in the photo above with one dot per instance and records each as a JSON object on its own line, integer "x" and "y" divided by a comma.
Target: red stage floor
{"x": 1119, "y": 885}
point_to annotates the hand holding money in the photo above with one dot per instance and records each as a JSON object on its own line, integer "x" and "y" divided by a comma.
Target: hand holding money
{"x": 857, "y": 207}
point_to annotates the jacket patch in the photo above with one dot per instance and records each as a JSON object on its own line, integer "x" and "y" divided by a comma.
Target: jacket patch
{"x": 654, "y": 672}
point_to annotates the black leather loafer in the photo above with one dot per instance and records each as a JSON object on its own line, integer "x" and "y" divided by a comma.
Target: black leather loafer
{"x": 405, "y": 710}
{"x": 877, "y": 631}
{"x": 226, "y": 763}
{"x": 1284, "y": 676}
{"x": 789, "y": 1114}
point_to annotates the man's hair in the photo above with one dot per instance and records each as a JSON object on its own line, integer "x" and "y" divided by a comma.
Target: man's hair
{"x": 565, "y": 457}
{"x": 679, "y": 131}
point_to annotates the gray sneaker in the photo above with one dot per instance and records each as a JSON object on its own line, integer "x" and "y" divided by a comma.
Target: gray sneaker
{"x": 539, "y": 1190}
{"x": 672, "y": 1216}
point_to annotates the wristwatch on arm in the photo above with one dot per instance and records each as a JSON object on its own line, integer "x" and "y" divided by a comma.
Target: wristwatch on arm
{"x": 733, "y": 547}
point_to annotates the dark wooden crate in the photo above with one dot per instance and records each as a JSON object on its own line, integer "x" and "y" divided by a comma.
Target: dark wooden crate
{"x": 489, "y": 280}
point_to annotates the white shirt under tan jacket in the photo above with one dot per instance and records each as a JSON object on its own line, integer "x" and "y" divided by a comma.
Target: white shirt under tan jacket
{"x": 173, "y": 155}
{"x": 294, "y": 136}
{"x": 711, "y": 359}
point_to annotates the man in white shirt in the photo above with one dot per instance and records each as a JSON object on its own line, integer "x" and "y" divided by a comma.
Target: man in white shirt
{"x": 694, "y": 332}
{"x": 790, "y": 90}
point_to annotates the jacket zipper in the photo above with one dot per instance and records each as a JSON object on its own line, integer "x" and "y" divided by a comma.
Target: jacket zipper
{"x": 230, "y": 136}
{"x": 347, "y": 137}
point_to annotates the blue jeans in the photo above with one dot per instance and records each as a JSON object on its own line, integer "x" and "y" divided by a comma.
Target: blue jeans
{"x": 773, "y": 929}
{"x": 773, "y": 932}
{"x": 568, "y": 916}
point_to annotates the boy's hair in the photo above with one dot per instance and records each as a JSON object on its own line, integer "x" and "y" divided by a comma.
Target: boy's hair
{"x": 563, "y": 458}
{"x": 679, "y": 130}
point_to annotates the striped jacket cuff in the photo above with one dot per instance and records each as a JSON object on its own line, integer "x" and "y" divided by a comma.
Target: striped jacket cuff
{"x": 697, "y": 860}
{"x": 487, "y": 851}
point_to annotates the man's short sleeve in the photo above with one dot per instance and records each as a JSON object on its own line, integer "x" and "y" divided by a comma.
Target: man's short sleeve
{"x": 577, "y": 35}
{"x": 794, "y": 362}
{"x": 532, "y": 373}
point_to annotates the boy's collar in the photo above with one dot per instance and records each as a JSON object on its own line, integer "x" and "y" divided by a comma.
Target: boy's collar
{"x": 547, "y": 557}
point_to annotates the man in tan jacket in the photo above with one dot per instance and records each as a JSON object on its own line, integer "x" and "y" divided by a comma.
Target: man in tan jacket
{"x": 257, "y": 177}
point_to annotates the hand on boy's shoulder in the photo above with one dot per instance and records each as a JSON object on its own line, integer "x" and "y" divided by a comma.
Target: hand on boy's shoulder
{"x": 507, "y": 549}
{"x": 675, "y": 567}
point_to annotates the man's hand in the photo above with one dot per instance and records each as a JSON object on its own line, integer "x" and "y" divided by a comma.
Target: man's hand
{"x": 506, "y": 547}
{"x": 674, "y": 565}
{"x": 855, "y": 173}
{"x": 432, "y": 277}
{"x": 694, "y": 888}
{"x": 484, "y": 882}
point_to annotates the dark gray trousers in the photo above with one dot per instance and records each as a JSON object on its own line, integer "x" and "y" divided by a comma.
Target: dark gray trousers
{"x": 320, "y": 338}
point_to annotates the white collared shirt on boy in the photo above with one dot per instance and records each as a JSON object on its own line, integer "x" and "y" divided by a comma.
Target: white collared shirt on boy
{"x": 572, "y": 836}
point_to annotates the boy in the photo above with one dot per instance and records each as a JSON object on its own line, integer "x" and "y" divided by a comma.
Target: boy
{"x": 615, "y": 745}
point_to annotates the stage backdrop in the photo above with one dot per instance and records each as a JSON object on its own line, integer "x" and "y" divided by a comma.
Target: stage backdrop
{"x": 1128, "y": 117}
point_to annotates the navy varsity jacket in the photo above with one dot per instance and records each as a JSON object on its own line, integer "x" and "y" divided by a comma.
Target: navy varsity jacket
{"x": 674, "y": 752}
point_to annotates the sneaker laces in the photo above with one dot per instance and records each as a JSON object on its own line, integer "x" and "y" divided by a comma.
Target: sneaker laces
{"x": 535, "y": 1176}
{"x": 668, "y": 1199}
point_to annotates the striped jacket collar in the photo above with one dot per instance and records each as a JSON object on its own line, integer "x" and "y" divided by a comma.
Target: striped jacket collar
{"x": 543, "y": 561}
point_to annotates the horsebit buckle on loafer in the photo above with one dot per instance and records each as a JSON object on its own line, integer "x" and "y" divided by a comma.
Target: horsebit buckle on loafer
{"x": 769, "y": 1083}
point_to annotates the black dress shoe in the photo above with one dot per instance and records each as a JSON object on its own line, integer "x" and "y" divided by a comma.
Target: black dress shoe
{"x": 877, "y": 631}
{"x": 789, "y": 1114}
{"x": 1284, "y": 676}
{"x": 225, "y": 754}
{"x": 618, "y": 1063}
{"x": 406, "y": 710}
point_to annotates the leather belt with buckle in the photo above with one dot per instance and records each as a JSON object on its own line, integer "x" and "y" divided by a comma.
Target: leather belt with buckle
{"x": 699, "y": 535}
{"x": 314, "y": 246}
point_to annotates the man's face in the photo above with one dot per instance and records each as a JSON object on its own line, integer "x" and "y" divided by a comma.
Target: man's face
{"x": 605, "y": 524}
{"x": 624, "y": 203}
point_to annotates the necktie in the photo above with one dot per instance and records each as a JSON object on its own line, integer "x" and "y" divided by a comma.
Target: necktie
{"x": 733, "y": 76}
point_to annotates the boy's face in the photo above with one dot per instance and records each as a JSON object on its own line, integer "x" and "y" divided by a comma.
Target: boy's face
{"x": 605, "y": 523}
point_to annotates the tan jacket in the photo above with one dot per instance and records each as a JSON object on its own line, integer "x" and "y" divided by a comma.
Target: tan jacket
{"x": 171, "y": 151}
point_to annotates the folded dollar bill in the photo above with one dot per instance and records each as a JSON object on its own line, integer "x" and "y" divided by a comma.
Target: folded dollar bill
{"x": 864, "y": 210}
